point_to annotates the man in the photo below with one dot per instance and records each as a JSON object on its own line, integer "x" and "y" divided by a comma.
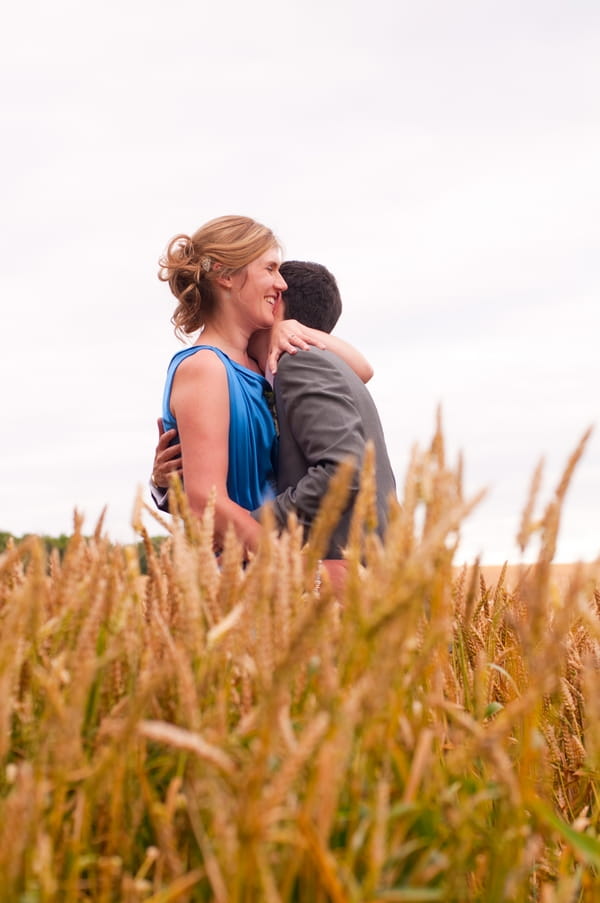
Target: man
{"x": 325, "y": 414}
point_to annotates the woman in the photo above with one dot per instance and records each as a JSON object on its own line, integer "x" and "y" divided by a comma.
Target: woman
{"x": 227, "y": 281}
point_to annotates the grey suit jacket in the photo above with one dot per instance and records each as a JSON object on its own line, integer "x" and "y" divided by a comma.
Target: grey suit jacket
{"x": 326, "y": 414}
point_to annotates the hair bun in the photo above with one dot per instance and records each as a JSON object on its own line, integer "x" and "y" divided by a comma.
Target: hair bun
{"x": 186, "y": 249}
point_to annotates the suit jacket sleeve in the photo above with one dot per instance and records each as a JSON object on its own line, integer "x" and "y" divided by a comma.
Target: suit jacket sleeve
{"x": 160, "y": 497}
{"x": 314, "y": 399}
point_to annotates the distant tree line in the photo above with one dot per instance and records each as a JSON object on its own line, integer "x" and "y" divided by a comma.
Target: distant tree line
{"x": 50, "y": 542}
{"x": 61, "y": 542}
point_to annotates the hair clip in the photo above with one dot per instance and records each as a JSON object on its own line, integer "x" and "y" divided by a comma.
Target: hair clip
{"x": 206, "y": 263}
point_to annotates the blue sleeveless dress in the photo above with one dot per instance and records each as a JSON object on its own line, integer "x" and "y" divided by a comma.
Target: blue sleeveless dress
{"x": 252, "y": 434}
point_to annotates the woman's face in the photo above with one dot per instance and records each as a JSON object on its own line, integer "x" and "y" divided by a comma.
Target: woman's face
{"x": 259, "y": 288}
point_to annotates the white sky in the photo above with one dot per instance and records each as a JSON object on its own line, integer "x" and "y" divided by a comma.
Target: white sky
{"x": 440, "y": 157}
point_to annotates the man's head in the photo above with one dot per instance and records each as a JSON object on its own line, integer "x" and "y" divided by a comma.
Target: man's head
{"x": 312, "y": 295}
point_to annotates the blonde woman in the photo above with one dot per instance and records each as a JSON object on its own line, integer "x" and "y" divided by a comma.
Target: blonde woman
{"x": 227, "y": 281}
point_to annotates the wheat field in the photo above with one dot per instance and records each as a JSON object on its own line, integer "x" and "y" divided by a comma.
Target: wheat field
{"x": 203, "y": 732}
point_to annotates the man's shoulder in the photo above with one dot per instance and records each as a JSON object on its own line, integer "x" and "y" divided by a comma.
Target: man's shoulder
{"x": 317, "y": 369}
{"x": 313, "y": 358}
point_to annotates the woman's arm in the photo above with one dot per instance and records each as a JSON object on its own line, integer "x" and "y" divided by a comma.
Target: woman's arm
{"x": 200, "y": 404}
{"x": 288, "y": 335}
{"x": 351, "y": 355}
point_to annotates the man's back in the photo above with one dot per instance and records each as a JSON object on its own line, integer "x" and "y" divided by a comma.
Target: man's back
{"x": 325, "y": 414}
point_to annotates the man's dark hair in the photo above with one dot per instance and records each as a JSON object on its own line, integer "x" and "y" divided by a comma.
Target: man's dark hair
{"x": 312, "y": 295}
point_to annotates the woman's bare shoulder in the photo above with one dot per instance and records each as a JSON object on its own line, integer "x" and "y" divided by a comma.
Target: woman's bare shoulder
{"x": 204, "y": 362}
{"x": 200, "y": 373}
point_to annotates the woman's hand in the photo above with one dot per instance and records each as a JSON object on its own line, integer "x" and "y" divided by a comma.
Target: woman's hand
{"x": 290, "y": 335}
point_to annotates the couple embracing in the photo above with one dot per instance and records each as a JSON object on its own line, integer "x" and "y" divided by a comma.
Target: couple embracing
{"x": 264, "y": 332}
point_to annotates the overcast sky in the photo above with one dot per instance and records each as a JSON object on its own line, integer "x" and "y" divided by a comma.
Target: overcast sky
{"x": 440, "y": 157}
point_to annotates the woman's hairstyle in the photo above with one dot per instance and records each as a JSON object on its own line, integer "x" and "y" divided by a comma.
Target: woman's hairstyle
{"x": 190, "y": 265}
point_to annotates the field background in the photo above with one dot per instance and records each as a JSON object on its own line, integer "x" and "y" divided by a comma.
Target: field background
{"x": 188, "y": 732}
{"x": 561, "y": 574}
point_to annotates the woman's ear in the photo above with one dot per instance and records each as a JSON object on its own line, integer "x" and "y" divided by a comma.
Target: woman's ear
{"x": 223, "y": 281}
